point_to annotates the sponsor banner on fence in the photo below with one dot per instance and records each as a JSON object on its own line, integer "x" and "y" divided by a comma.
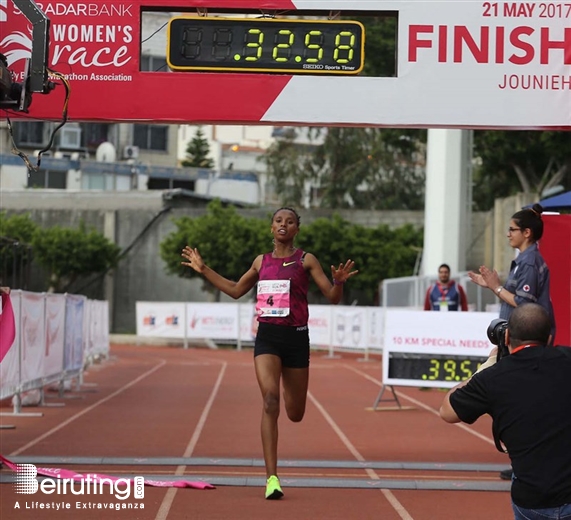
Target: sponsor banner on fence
{"x": 99, "y": 327}
{"x": 160, "y": 319}
{"x": 248, "y": 321}
{"x": 212, "y": 320}
{"x": 320, "y": 325}
{"x": 55, "y": 334}
{"x": 74, "y": 333}
{"x": 350, "y": 327}
{"x": 375, "y": 324}
{"x": 32, "y": 324}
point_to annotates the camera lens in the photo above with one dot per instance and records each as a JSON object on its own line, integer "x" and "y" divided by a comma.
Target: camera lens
{"x": 496, "y": 331}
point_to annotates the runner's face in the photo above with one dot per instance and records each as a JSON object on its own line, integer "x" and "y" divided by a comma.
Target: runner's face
{"x": 284, "y": 225}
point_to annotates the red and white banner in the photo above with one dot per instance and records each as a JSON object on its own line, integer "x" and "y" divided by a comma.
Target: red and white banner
{"x": 460, "y": 64}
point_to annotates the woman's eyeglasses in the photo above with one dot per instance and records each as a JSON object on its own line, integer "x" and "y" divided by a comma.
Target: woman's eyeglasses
{"x": 512, "y": 229}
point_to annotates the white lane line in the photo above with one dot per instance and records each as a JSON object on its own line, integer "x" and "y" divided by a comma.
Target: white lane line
{"x": 397, "y": 506}
{"x": 166, "y": 504}
{"x": 88, "y": 409}
{"x": 420, "y": 404}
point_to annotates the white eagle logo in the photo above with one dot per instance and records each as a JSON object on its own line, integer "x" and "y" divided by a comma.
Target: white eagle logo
{"x": 17, "y": 45}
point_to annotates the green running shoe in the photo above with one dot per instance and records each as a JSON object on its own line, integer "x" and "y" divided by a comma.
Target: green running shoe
{"x": 273, "y": 489}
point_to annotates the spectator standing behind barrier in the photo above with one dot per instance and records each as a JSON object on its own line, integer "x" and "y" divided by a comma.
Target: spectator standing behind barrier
{"x": 446, "y": 294}
{"x": 281, "y": 349}
{"x": 528, "y": 395}
{"x": 528, "y": 279}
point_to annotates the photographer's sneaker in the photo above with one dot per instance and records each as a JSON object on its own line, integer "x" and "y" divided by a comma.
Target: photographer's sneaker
{"x": 273, "y": 489}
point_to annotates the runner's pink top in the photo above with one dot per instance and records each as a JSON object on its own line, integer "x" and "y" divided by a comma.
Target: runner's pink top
{"x": 282, "y": 290}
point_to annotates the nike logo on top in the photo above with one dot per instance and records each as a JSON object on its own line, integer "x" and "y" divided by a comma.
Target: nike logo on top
{"x": 285, "y": 264}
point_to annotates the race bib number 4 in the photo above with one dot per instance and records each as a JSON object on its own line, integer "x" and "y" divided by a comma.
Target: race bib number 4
{"x": 273, "y": 298}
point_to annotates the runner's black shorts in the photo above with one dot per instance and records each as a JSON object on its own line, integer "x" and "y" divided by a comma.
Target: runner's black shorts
{"x": 290, "y": 344}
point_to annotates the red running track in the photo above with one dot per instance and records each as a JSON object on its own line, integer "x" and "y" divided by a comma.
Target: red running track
{"x": 204, "y": 405}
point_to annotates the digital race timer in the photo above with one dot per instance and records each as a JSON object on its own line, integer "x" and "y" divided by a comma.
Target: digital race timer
{"x": 265, "y": 45}
{"x": 423, "y": 367}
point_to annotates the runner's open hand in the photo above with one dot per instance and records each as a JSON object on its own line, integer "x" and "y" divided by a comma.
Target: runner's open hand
{"x": 194, "y": 260}
{"x": 342, "y": 273}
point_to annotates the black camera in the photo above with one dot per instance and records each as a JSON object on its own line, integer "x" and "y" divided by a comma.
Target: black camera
{"x": 497, "y": 335}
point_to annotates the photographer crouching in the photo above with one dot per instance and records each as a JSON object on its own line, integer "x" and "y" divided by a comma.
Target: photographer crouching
{"x": 528, "y": 395}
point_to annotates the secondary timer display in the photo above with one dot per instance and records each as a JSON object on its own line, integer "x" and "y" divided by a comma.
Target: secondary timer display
{"x": 430, "y": 367}
{"x": 265, "y": 45}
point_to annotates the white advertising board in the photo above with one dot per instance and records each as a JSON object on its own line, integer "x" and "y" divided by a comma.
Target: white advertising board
{"x": 160, "y": 319}
{"x": 440, "y": 348}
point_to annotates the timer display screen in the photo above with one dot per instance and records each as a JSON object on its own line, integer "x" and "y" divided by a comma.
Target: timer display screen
{"x": 422, "y": 367}
{"x": 265, "y": 45}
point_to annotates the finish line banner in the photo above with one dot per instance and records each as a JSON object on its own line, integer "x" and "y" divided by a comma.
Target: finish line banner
{"x": 459, "y": 65}
{"x": 27, "y": 483}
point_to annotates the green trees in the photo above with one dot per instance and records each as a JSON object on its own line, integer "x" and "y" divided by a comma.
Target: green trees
{"x": 516, "y": 161}
{"x": 16, "y": 234}
{"x": 360, "y": 168}
{"x": 66, "y": 254}
{"x": 197, "y": 152}
{"x": 227, "y": 241}
{"x": 229, "y": 244}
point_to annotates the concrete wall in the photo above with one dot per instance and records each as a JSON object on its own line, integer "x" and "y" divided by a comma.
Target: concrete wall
{"x": 141, "y": 220}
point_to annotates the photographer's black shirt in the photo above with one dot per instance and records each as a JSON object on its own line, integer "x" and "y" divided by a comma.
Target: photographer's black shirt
{"x": 528, "y": 395}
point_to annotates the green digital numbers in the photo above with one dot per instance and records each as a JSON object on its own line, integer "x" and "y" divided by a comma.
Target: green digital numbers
{"x": 314, "y": 42}
{"x": 465, "y": 369}
{"x": 258, "y": 37}
{"x": 344, "y": 47}
{"x": 448, "y": 370}
{"x": 278, "y": 51}
{"x": 434, "y": 370}
{"x": 265, "y": 45}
